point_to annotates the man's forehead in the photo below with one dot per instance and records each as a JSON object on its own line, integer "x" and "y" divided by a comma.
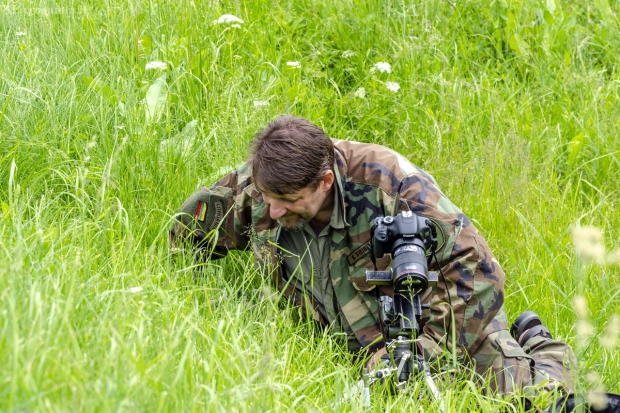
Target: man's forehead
{"x": 292, "y": 195}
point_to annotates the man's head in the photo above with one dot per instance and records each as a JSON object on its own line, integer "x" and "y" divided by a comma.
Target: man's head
{"x": 292, "y": 165}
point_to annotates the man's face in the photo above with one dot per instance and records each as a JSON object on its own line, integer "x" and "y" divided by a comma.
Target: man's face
{"x": 294, "y": 210}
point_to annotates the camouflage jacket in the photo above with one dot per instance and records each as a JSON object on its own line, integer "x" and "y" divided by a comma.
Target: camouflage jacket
{"x": 373, "y": 181}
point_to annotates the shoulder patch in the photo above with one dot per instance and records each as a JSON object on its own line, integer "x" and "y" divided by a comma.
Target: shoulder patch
{"x": 359, "y": 252}
{"x": 218, "y": 206}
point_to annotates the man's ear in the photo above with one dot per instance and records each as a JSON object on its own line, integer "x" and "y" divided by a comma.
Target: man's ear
{"x": 328, "y": 180}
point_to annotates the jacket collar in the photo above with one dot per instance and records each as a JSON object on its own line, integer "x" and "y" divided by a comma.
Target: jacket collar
{"x": 340, "y": 170}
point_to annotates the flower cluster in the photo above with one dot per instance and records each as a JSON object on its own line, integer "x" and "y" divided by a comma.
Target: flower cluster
{"x": 227, "y": 19}
{"x": 392, "y": 86}
{"x": 156, "y": 65}
{"x": 383, "y": 67}
{"x": 360, "y": 93}
{"x": 379, "y": 67}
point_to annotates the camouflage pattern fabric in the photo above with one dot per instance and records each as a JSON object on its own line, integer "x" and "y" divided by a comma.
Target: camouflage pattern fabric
{"x": 373, "y": 181}
{"x": 542, "y": 364}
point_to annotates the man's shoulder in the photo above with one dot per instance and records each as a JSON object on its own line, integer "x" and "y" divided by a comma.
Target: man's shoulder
{"x": 372, "y": 164}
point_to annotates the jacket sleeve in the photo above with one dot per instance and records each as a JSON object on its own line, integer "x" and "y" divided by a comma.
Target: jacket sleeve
{"x": 474, "y": 278}
{"x": 214, "y": 220}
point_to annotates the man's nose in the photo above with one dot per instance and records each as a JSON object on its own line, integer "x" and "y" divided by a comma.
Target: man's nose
{"x": 276, "y": 210}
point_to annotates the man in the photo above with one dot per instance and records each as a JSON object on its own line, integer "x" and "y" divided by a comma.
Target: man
{"x": 305, "y": 203}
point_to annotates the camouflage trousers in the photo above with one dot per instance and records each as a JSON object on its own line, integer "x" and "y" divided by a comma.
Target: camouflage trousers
{"x": 542, "y": 364}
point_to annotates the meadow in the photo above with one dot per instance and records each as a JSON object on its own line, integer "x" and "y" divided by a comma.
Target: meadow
{"x": 113, "y": 112}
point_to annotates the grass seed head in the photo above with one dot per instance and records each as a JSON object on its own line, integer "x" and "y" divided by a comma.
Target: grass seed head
{"x": 610, "y": 338}
{"x": 588, "y": 243}
{"x": 580, "y": 304}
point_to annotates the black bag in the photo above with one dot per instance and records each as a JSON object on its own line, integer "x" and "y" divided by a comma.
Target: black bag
{"x": 568, "y": 404}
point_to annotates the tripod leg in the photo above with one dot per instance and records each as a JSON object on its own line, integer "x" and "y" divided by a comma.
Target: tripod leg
{"x": 431, "y": 384}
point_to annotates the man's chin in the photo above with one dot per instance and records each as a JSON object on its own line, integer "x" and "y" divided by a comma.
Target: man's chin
{"x": 292, "y": 225}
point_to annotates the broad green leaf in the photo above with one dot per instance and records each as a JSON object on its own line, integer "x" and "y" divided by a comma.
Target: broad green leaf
{"x": 517, "y": 44}
{"x": 146, "y": 43}
{"x": 574, "y": 147}
{"x": 567, "y": 58}
{"x": 548, "y": 16}
{"x": 101, "y": 87}
{"x": 182, "y": 145}
{"x": 156, "y": 99}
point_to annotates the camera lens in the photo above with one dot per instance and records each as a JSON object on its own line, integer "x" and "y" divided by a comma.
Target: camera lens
{"x": 409, "y": 267}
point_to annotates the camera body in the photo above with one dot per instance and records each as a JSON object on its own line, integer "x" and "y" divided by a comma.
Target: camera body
{"x": 406, "y": 237}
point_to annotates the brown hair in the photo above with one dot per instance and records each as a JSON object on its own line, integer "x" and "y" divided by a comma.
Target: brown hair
{"x": 290, "y": 154}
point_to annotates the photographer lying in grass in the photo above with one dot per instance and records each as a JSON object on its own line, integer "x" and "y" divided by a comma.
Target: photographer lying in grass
{"x": 305, "y": 204}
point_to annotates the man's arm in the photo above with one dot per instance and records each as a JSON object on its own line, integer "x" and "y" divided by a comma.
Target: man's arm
{"x": 214, "y": 220}
{"x": 474, "y": 278}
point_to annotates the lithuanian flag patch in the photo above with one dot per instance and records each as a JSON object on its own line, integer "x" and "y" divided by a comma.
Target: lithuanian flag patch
{"x": 201, "y": 211}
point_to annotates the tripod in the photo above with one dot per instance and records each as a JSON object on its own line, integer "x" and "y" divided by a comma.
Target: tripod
{"x": 399, "y": 319}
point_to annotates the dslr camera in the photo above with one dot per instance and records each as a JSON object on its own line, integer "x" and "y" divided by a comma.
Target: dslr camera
{"x": 406, "y": 237}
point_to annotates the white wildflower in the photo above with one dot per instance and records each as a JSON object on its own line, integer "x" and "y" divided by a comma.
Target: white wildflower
{"x": 360, "y": 93}
{"x": 258, "y": 103}
{"x": 135, "y": 289}
{"x": 228, "y": 18}
{"x": 392, "y": 86}
{"x": 293, "y": 64}
{"x": 20, "y": 34}
{"x": 610, "y": 338}
{"x": 235, "y": 26}
{"x": 156, "y": 65}
{"x": 382, "y": 67}
{"x": 589, "y": 243}
{"x": 348, "y": 53}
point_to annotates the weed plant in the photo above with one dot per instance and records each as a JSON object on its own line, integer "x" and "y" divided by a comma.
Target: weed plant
{"x": 511, "y": 105}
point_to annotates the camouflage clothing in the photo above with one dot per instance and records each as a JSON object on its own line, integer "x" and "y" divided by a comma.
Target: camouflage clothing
{"x": 541, "y": 364}
{"x": 371, "y": 181}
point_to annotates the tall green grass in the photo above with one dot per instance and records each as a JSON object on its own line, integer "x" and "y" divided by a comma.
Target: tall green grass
{"x": 511, "y": 105}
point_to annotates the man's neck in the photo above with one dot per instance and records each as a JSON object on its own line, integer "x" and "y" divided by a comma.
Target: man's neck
{"x": 324, "y": 216}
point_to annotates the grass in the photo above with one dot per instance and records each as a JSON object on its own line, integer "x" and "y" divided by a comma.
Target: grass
{"x": 511, "y": 105}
